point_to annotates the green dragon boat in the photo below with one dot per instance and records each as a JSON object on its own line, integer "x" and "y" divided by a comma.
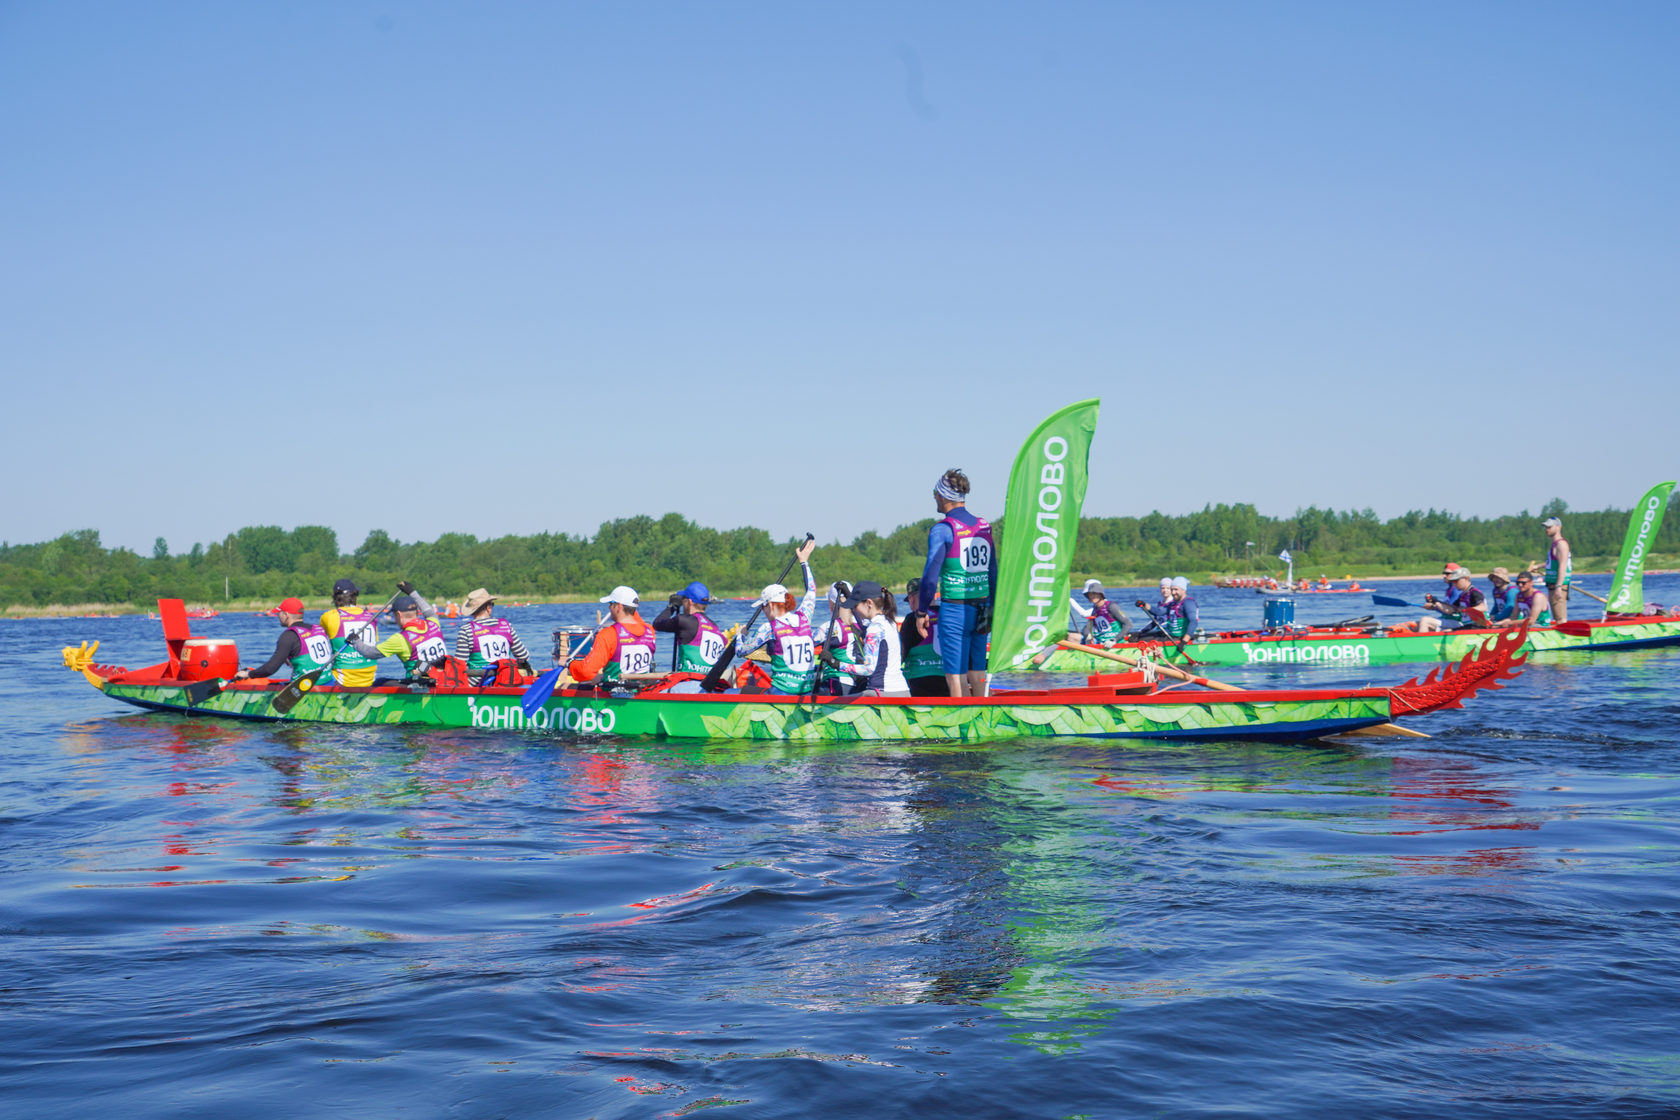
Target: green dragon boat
{"x": 1130, "y": 705}
{"x": 1355, "y": 646}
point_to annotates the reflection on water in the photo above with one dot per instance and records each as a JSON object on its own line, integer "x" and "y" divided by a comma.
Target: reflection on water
{"x": 441, "y": 922}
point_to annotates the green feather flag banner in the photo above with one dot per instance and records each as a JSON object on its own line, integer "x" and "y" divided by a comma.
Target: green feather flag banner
{"x": 1627, "y": 590}
{"x": 1040, "y": 529}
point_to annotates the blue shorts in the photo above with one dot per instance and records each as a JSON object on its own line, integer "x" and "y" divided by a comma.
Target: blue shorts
{"x": 961, "y": 650}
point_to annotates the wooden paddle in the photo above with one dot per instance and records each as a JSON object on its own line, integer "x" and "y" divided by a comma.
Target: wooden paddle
{"x": 1589, "y": 594}
{"x": 1390, "y": 729}
{"x": 714, "y": 679}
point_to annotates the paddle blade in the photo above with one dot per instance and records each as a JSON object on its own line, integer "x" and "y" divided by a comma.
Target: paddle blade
{"x": 286, "y": 699}
{"x": 200, "y": 691}
{"x": 1390, "y": 601}
{"x": 539, "y": 692}
{"x": 1574, "y": 629}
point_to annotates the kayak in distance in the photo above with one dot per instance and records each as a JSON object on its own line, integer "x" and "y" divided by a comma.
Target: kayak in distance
{"x": 1372, "y": 645}
{"x": 1127, "y": 705}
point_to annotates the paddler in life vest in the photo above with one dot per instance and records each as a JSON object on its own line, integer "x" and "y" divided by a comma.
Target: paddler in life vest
{"x": 482, "y": 640}
{"x": 1155, "y": 628}
{"x": 699, "y": 640}
{"x": 417, "y": 643}
{"x": 918, "y": 643}
{"x": 1462, "y": 598}
{"x": 625, "y": 645}
{"x": 345, "y": 620}
{"x": 879, "y": 668}
{"x": 302, "y": 645}
{"x": 1532, "y": 605}
{"x": 1185, "y": 619}
{"x": 962, "y": 569}
{"x": 1102, "y": 623}
{"x": 1558, "y": 569}
{"x": 1502, "y": 596}
{"x": 837, "y": 645}
{"x": 785, "y": 634}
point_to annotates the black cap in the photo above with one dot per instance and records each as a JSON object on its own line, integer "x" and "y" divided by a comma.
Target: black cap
{"x": 868, "y": 589}
{"x": 404, "y": 603}
{"x": 347, "y": 585}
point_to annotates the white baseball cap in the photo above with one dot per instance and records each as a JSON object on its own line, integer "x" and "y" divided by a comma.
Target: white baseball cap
{"x": 774, "y": 593}
{"x": 1550, "y": 521}
{"x": 1093, "y": 585}
{"x": 623, "y": 596}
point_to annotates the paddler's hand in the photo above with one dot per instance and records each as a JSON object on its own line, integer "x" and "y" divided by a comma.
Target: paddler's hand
{"x": 803, "y": 553}
{"x": 405, "y": 587}
{"x": 242, "y": 674}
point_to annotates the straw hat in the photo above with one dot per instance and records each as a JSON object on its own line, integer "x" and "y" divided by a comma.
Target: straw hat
{"x": 476, "y": 599}
{"x": 1501, "y": 574}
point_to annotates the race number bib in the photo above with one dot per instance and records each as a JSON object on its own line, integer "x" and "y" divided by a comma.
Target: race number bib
{"x": 493, "y": 647}
{"x": 432, "y": 649}
{"x": 799, "y": 652}
{"x": 711, "y": 647}
{"x": 635, "y": 659}
{"x": 348, "y": 630}
{"x": 976, "y": 555}
{"x": 318, "y": 648}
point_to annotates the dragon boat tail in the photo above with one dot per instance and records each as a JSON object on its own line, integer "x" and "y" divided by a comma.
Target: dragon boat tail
{"x": 1130, "y": 705}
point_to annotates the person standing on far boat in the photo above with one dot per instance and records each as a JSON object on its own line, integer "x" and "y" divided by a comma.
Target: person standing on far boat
{"x": 482, "y": 640}
{"x": 303, "y": 645}
{"x": 699, "y": 641}
{"x": 1532, "y": 606}
{"x": 785, "y": 634}
{"x": 626, "y": 644}
{"x": 1502, "y": 602}
{"x": 1557, "y": 569}
{"x": 962, "y": 568}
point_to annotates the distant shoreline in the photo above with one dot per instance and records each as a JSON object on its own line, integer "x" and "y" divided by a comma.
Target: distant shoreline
{"x": 657, "y": 598}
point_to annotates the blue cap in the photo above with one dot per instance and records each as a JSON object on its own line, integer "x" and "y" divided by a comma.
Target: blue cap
{"x": 346, "y": 585}
{"x": 697, "y": 592}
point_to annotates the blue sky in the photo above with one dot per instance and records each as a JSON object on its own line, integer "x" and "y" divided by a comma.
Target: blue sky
{"x": 507, "y": 268}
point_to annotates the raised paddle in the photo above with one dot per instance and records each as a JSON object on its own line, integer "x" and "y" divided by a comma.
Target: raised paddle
{"x": 1378, "y": 729}
{"x": 714, "y": 679}
{"x": 1589, "y": 594}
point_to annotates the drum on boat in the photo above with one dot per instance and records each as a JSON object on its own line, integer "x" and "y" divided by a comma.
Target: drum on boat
{"x": 204, "y": 659}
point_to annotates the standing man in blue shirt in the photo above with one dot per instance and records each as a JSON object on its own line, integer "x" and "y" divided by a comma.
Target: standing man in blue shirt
{"x": 962, "y": 568}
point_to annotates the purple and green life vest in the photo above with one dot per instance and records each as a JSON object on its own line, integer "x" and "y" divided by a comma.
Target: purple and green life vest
{"x": 635, "y": 652}
{"x": 492, "y": 641}
{"x": 793, "y": 653}
{"x": 1551, "y": 577}
{"x": 317, "y": 648}
{"x": 425, "y": 644}
{"x": 1105, "y": 629}
{"x": 966, "y": 573}
{"x": 701, "y": 652}
{"x": 354, "y": 622}
{"x": 847, "y": 634}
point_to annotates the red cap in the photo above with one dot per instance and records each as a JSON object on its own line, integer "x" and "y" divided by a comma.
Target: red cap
{"x": 292, "y": 606}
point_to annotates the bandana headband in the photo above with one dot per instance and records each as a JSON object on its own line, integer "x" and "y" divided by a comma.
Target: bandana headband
{"x": 946, "y": 490}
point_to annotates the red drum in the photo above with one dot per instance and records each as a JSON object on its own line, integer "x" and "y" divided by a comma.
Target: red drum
{"x": 204, "y": 659}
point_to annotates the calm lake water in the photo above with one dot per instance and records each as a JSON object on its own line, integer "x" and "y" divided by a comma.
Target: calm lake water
{"x": 208, "y": 919}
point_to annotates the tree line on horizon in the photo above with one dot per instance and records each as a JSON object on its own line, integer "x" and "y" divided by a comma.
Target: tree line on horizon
{"x": 660, "y": 555}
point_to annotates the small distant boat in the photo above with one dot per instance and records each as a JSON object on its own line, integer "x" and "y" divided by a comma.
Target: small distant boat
{"x": 203, "y": 612}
